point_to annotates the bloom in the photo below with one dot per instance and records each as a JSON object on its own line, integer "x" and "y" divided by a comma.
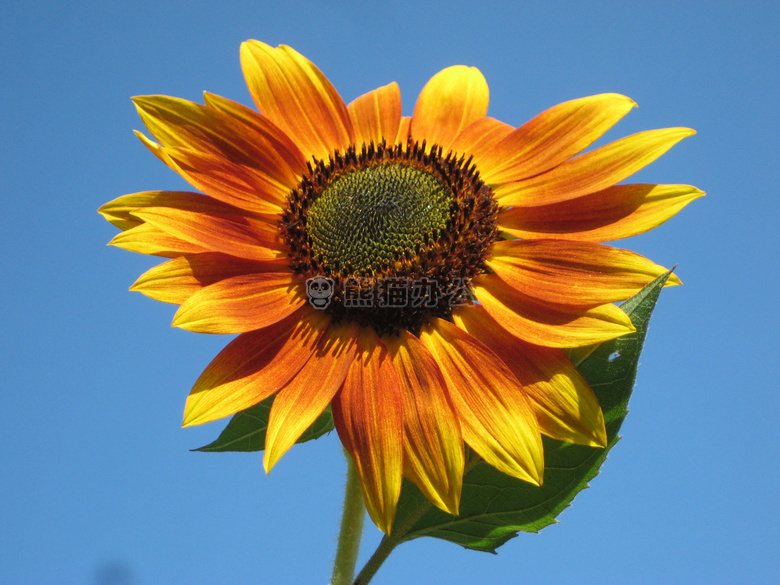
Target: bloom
{"x": 315, "y": 217}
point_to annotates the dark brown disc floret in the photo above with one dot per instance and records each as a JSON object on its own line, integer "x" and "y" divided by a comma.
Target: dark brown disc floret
{"x": 394, "y": 234}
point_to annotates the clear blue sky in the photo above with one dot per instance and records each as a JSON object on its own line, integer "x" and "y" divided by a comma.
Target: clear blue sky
{"x": 95, "y": 473}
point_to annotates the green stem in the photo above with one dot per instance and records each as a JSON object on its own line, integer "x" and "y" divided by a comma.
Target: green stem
{"x": 400, "y": 532}
{"x": 351, "y": 528}
{"x": 372, "y": 566}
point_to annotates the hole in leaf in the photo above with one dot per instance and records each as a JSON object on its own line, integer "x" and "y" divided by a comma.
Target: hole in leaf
{"x": 613, "y": 356}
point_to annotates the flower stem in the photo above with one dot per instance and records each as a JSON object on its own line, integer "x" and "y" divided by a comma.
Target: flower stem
{"x": 372, "y": 566}
{"x": 351, "y": 528}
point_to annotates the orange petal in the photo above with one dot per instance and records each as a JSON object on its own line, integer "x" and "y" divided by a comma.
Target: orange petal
{"x": 571, "y": 272}
{"x": 368, "y": 413}
{"x": 618, "y": 212}
{"x": 565, "y": 406}
{"x": 496, "y": 418}
{"x": 177, "y": 280}
{"x": 592, "y": 171}
{"x": 452, "y": 100}
{"x": 120, "y": 211}
{"x": 551, "y": 138}
{"x": 224, "y": 180}
{"x": 404, "y": 130}
{"x": 156, "y": 149}
{"x": 376, "y": 116}
{"x": 147, "y": 239}
{"x": 547, "y": 324}
{"x": 481, "y": 136}
{"x": 178, "y": 123}
{"x": 433, "y": 449}
{"x": 253, "y": 367}
{"x": 295, "y": 95}
{"x": 303, "y": 399}
{"x": 242, "y": 303}
{"x": 250, "y": 238}
{"x": 282, "y": 143}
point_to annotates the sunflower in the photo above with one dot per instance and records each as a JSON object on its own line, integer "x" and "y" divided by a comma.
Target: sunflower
{"x": 421, "y": 275}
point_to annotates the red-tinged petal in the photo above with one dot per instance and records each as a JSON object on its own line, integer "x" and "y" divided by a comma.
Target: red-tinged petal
{"x": 120, "y": 211}
{"x": 282, "y": 143}
{"x": 547, "y": 324}
{"x": 404, "y": 130}
{"x": 452, "y": 100}
{"x": 124, "y": 207}
{"x": 177, "y": 280}
{"x": 368, "y": 413}
{"x": 178, "y": 123}
{"x": 156, "y": 149}
{"x": 565, "y": 406}
{"x": 496, "y": 418}
{"x": 242, "y": 303}
{"x": 618, "y": 212}
{"x": 481, "y": 136}
{"x": 237, "y": 185}
{"x": 571, "y": 272}
{"x": 148, "y": 239}
{"x": 551, "y": 138}
{"x": 253, "y": 367}
{"x": 592, "y": 171}
{"x": 376, "y": 116}
{"x": 295, "y": 95}
{"x": 433, "y": 447}
{"x": 303, "y": 399}
{"x": 250, "y": 238}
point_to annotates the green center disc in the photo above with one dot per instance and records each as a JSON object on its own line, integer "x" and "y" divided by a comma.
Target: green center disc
{"x": 370, "y": 215}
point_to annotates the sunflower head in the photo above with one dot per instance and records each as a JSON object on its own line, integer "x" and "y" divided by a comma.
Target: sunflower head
{"x": 393, "y": 217}
{"x": 462, "y": 256}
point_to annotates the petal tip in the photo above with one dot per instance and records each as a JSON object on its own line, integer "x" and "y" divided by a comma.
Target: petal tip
{"x": 673, "y": 280}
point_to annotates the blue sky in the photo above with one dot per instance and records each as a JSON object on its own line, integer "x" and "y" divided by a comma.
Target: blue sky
{"x": 97, "y": 475}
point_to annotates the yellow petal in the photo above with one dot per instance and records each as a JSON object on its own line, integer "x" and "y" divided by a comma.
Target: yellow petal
{"x": 120, "y": 211}
{"x": 148, "y": 239}
{"x": 565, "y": 406}
{"x": 451, "y": 101}
{"x": 253, "y": 367}
{"x": 177, "y": 280}
{"x": 592, "y": 171}
{"x": 615, "y": 213}
{"x": 496, "y": 418}
{"x": 244, "y": 237}
{"x": 571, "y": 272}
{"x": 551, "y": 138}
{"x": 433, "y": 447}
{"x": 547, "y": 324}
{"x": 297, "y": 97}
{"x": 242, "y": 303}
{"x": 178, "y": 123}
{"x": 309, "y": 392}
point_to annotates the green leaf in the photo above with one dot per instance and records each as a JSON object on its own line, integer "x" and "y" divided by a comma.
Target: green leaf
{"x": 246, "y": 430}
{"x": 495, "y": 507}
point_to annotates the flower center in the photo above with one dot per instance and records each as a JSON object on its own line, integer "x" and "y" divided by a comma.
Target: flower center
{"x": 368, "y": 216}
{"x": 390, "y": 236}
